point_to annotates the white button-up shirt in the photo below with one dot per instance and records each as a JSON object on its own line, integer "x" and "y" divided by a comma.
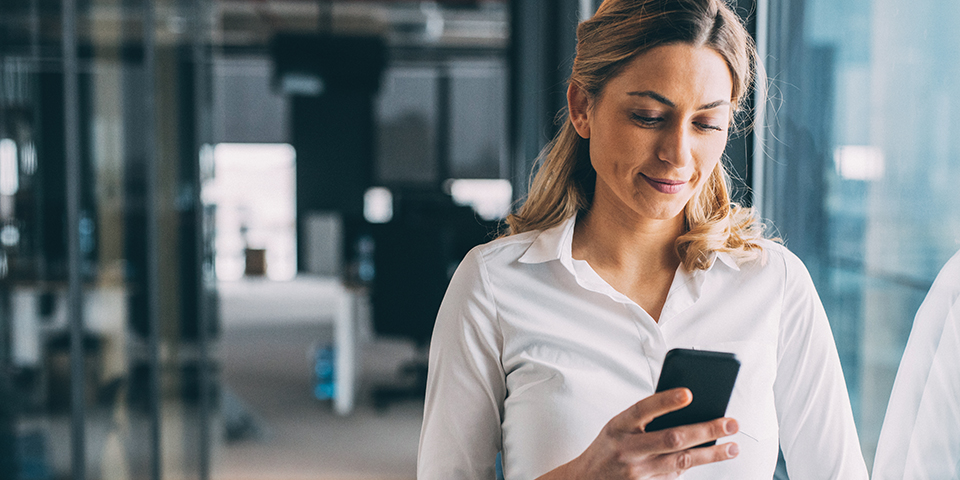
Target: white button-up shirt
{"x": 920, "y": 439}
{"x": 533, "y": 353}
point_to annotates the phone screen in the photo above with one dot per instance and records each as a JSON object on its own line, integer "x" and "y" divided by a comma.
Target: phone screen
{"x": 710, "y": 376}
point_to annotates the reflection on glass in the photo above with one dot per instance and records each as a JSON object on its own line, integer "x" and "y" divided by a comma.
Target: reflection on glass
{"x": 861, "y": 179}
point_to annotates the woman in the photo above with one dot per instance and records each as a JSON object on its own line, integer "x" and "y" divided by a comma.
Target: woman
{"x": 549, "y": 342}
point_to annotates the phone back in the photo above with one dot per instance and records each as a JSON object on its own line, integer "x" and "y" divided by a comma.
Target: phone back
{"x": 710, "y": 376}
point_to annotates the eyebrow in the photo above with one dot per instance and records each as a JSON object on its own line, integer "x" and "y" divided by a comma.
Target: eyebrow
{"x": 664, "y": 100}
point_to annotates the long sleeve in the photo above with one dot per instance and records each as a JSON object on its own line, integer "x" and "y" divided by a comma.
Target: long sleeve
{"x": 920, "y": 439}
{"x": 817, "y": 433}
{"x": 461, "y": 432}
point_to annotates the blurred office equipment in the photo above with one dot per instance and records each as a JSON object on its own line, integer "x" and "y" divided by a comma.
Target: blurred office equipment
{"x": 331, "y": 81}
{"x": 323, "y": 235}
{"x": 415, "y": 255}
{"x": 312, "y": 301}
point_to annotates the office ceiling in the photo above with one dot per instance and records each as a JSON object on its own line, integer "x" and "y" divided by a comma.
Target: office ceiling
{"x": 405, "y": 23}
{"x": 249, "y": 25}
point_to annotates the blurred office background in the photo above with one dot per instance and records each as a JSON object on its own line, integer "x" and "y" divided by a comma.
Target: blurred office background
{"x": 225, "y": 224}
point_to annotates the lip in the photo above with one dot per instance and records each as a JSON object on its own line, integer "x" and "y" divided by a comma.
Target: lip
{"x": 665, "y": 185}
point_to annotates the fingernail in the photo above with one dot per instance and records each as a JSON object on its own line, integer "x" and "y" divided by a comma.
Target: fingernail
{"x": 732, "y": 450}
{"x": 730, "y": 427}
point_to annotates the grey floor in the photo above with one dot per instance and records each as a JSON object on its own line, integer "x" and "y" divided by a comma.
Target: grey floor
{"x": 266, "y": 372}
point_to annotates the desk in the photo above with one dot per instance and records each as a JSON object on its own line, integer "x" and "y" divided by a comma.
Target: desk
{"x": 305, "y": 299}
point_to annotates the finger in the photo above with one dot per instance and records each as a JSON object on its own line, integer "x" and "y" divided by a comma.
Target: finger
{"x": 681, "y": 438}
{"x": 641, "y": 413}
{"x": 686, "y": 459}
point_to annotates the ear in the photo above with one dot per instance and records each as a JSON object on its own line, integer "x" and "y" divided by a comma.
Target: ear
{"x": 578, "y": 103}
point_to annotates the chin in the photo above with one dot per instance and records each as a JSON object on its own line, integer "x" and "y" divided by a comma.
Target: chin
{"x": 661, "y": 214}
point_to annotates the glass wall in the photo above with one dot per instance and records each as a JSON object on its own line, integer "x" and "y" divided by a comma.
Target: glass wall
{"x": 107, "y": 130}
{"x": 105, "y": 274}
{"x": 106, "y": 267}
{"x": 860, "y": 167}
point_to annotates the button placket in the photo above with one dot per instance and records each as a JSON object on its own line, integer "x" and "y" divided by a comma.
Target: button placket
{"x": 650, "y": 339}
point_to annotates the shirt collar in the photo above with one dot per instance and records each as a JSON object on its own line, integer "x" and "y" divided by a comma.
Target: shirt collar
{"x": 555, "y": 243}
{"x": 726, "y": 259}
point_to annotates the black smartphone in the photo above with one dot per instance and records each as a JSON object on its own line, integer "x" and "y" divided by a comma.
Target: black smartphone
{"x": 709, "y": 375}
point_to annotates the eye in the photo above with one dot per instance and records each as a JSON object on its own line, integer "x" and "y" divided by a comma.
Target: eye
{"x": 708, "y": 126}
{"x": 710, "y": 122}
{"x": 647, "y": 120}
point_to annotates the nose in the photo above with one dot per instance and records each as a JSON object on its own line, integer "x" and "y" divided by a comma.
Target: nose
{"x": 675, "y": 146}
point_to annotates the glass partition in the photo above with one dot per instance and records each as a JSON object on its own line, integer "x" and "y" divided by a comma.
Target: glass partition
{"x": 860, "y": 169}
{"x": 106, "y": 284}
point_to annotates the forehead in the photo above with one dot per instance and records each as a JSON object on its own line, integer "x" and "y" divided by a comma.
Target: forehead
{"x": 679, "y": 72}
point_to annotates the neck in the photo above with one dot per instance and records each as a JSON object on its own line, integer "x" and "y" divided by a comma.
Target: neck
{"x": 622, "y": 242}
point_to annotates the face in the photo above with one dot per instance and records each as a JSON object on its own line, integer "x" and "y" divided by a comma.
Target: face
{"x": 656, "y": 131}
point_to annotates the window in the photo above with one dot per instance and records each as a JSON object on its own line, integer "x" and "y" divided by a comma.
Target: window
{"x": 253, "y": 189}
{"x": 860, "y": 167}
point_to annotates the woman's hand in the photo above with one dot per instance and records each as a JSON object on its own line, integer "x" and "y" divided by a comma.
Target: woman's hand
{"x": 624, "y": 450}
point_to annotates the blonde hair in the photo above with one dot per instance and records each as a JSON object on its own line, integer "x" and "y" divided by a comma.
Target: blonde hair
{"x": 622, "y": 29}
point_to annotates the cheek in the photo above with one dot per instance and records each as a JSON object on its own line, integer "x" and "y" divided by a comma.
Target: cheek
{"x": 709, "y": 158}
{"x": 604, "y": 159}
